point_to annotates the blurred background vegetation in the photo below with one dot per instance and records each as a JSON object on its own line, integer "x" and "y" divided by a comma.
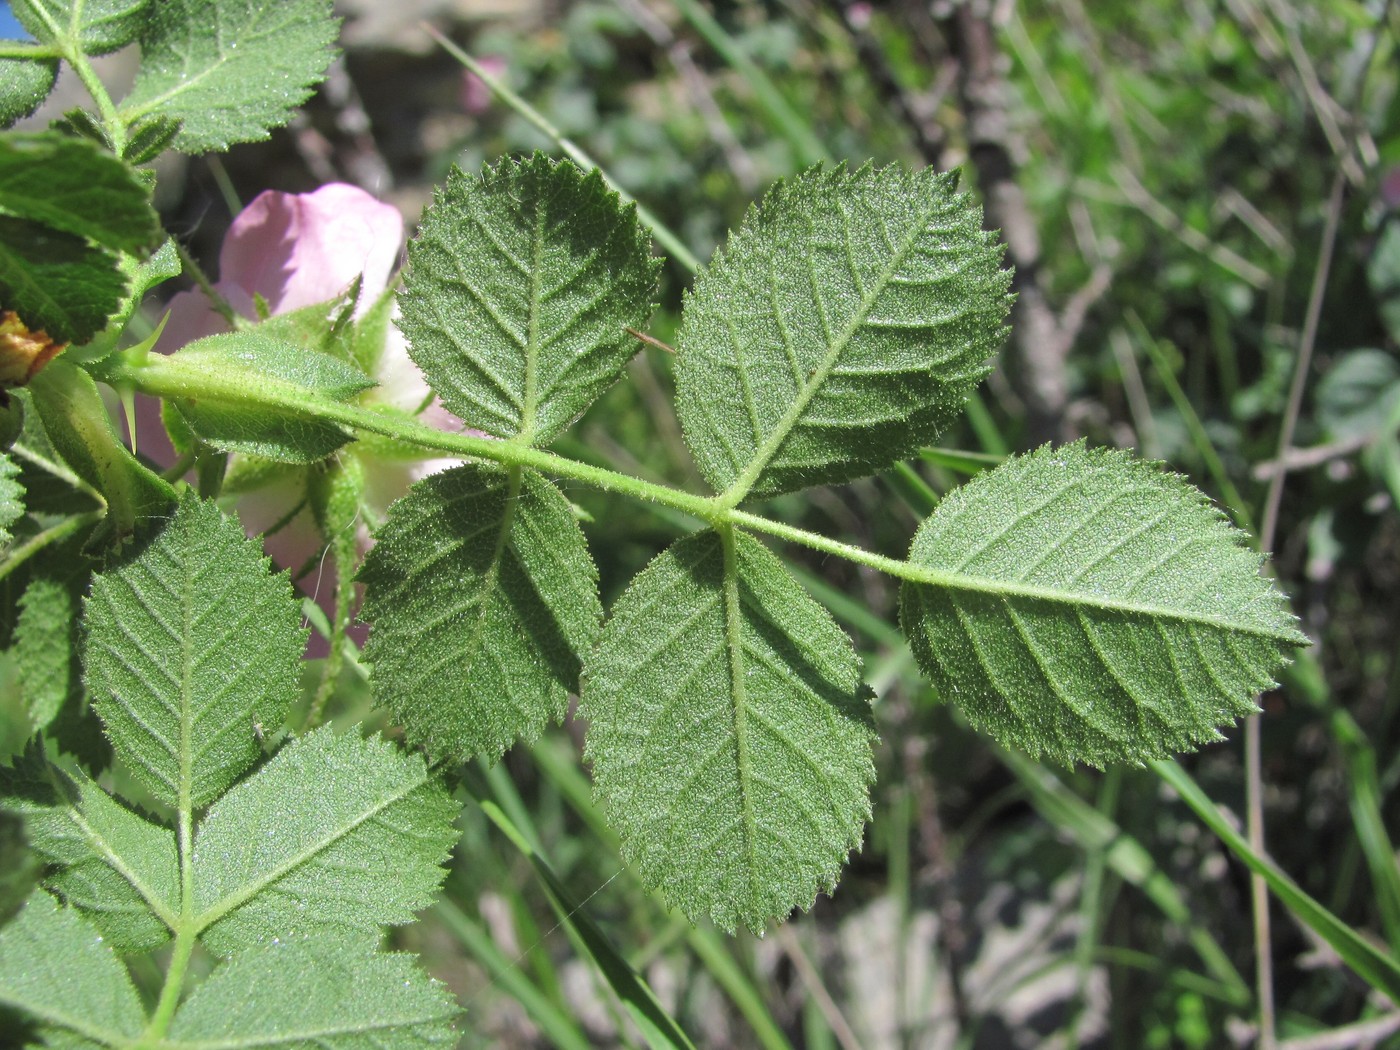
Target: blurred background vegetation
{"x": 1198, "y": 196}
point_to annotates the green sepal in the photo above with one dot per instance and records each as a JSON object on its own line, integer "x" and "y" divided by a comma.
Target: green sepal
{"x": 76, "y": 422}
{"x": 149, "y": 137}
{"x": 247, "y": 360}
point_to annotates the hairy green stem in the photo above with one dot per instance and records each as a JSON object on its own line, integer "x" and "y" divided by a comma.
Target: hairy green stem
{"x": 111, "y": 119}
{"x": 196, "y": 272}
{"x": 186, "y": 931}
{"x": 54, "y": 534}
{"x": 27, "y": 50}
{"x": 170, "y": 991}
{"x": 170, "y": 377}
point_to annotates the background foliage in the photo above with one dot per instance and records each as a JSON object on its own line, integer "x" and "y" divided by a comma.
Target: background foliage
{"x": 1165, "y": 175}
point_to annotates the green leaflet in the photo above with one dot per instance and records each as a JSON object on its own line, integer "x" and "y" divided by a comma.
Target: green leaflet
{"x": 230, "y": 69}
{"x": 95, "y": 26}
{"x": 729, "y": 732}
{"x": 518, "y": 291}
{"x": 116, "y": 867}
{"x": 11, "y": 498}
{"x": 57, "y": 282}
{"x": 293, "y": 873}
{"x": 838, "y": 329}
{"x": 191, "y": 644}
{"x": 45, "y": 648}
{"x": 320, "y": 994}
{"x": 24, "y": 83}
{"x": 334, "y": 834}
{"x": 483, "y": 598}
{"x": 1094, "y": 609}
{"x": 56, "y": 967}
{"x": 66, "y": 208}
{"x": 71, "y": 185}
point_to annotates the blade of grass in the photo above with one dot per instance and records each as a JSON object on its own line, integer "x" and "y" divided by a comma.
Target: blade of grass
{"x": 968, "y": 464}
{"x": 657, "y": 1026}
{"x": 556, "y": 1024}
{"x": 1365, "y": 794}
{"x": 673, "y": 245}
{"x": 1377, "y": 968}
{"x": 782, "y": 116}
{"x": 1200, "y": 440}
{"x": 1128, "y": 859}
{"x": 560, "y": 767}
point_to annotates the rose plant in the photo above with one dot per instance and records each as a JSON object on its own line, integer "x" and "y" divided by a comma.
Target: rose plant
{"x": 1074, "y": 603}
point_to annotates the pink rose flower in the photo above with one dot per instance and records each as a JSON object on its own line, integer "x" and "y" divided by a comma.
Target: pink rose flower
{"x": 297, "y": 250}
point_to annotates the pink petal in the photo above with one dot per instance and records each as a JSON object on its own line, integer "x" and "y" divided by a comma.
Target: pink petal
{"x": 296, "y": 250}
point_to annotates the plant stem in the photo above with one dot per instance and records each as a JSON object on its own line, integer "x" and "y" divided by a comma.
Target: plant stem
{"x": 54, "y": 534}
{"x": 571, "y": 149}
{"x": 116, "y": 128}
{"x": 170, "y": 377}
{"x": 187, "y": 929}
{"x": 170, "y": 991}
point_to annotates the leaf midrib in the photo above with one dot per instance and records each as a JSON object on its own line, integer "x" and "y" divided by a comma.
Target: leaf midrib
{"x": 232, "y": 901}
{"x": 733, "y": 636}
{"x": 962, "y": 582}
{"x": 189, "y": 83}
{"x": 740, "y": 487}
{"x": 108, "y": 853}
{"x": 532, "y": 330}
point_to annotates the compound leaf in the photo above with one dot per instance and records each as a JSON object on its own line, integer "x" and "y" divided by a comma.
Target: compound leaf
{"x": 839, "y": 328}
{"x": 95, "y": 26}
{"x": 1091, "y": 607}
{"x": 117, "y": 868}
{"x": 729, "y": 732}
{"x": 11, "y": 497}
{"x": 483, "y": 598}
{"x": 56, "y": 967}
{"x": 339, "y": 832}
{"x": 190, "y": 643}
{"x": 229, "y": 70}
{"x": 24, "y": 83}
{"x": 74, "y": 186}
{"x": 322, "y": 994}
{"x": 518, "y": 293}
